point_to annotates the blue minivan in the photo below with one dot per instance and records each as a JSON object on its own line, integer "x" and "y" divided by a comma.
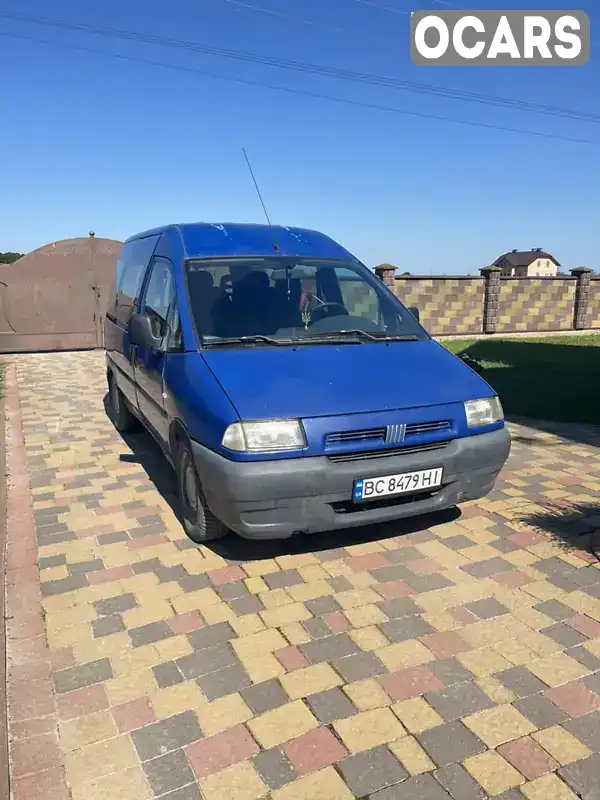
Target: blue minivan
{"x": 288, "y": 386}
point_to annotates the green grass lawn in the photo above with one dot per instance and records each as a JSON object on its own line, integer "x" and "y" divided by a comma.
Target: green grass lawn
{"x": 548, "y": 378}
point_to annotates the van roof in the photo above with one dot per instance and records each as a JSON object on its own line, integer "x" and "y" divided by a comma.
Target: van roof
{"x": 222, "y": 239}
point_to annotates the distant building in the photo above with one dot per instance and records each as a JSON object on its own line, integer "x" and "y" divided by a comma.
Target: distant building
{"x": 528, "y": 263}
{"x": 385, "y": 266}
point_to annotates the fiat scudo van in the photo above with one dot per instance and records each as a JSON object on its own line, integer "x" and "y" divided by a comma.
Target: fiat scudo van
{"x": 290, "y": 389}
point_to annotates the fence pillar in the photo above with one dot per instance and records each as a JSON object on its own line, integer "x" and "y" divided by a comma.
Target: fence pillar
{"x": 491, "y": 302}
{"x": 387, "y": 273}
{"x": 582, "y": 296}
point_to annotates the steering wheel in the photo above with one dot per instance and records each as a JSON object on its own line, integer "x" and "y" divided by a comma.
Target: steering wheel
{"x": 317, "y": 314}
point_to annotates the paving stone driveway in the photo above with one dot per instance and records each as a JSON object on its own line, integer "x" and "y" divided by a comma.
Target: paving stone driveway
{"x": 457, "y": 656}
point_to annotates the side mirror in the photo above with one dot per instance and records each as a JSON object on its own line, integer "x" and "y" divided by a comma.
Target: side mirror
{"x": 141, "y": 333}
{"x": 415, "y": 312}
{"x": 471, "y": 362}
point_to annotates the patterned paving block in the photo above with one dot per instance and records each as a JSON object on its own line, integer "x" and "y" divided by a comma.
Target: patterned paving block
{"x": 450, "y": 671}
{"x": 168, "y": 773}
{"x": 422, "y": 786}
{"x": 84, "y": 675}
{"x": 313, "y": 751}
{"x": 203, "y": 662}
{"x": 450, "y": 743}
{"x": 329, "y": 648}
{"x": 133, "y": 715}
{"x": 218, "y": 752}
{"x": 562, "y": 745}
{"x": 521, "y": 682}
{"x": 455, "y": 657}
{"x": 105, "y": 626}
{"x": 583, "y": 776}
{"x": 583, "y": 656}
{"x": 149, "y": 634}
{"x": 372, "y": 770}
{"x": 411, "y": 682}
{"x": 574, "y": 698}
{"x": 528, "y": 758}
{"x": 369, "y": 729}
{"x": 359, "y": 666}
{"x": 266, "y": 696}
{"x": 274, "y": 768}
{"x": 398, "y": 607}
{"x": 282, "y": 724}
{"x": 330, "y": 705}
{"x": 498, "y": 725}
{"x": 404, "y": 628}
{"x": 237, "y": 781}
{"x": 586, "y": 729}
{"x": 493, "y": 772}
{"x": 166, "y": 735}
{"x": 540, "y": 711}
{"x": 459, "y": 700}
{"x": 223, "y": 682}
{"x": 458, "y": 783}
{"x": 412, "y": 756}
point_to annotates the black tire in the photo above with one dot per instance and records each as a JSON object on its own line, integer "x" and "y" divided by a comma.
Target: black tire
{"x": 199, "y": 523}
{"x": 122, "y": 417}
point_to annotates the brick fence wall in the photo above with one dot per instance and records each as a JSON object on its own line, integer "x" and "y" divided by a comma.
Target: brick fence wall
{"x": 593, "y": 306}
{"x": 446, "y": 305}
{"x": 536, "y": 304}
{"x": 456, "y": 305}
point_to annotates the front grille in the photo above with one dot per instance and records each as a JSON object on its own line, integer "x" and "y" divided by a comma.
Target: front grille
{"x": 417, "y": 428}
{"x": 355, "y": 436}
{"x": 368, "y": 455}
{"x": 392, "y": 434}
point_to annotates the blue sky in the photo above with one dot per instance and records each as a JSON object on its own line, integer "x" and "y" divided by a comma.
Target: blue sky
{"x": 96, "y": 142}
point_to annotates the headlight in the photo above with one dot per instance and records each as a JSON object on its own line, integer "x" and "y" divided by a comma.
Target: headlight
{"x": 483, "y": 412}
{"x": 268, "y": 436}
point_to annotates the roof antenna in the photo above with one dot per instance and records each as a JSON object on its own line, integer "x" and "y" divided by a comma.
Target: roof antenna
{"x": 264, "y": 208}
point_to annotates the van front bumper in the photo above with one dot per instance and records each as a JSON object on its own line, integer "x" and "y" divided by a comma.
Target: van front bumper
{"x": 276, "y": 499}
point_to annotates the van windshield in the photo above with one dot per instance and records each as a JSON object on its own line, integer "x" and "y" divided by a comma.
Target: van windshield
{"x": 254, "y": 301}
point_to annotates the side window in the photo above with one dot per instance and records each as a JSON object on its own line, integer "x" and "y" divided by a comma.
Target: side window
{"x": 360, "y": 299}
{"x": 175, "y": 342}
{"x": 159, "y": 295}
{"x": 131, "y": 268}
{"x": 125, "y": 256}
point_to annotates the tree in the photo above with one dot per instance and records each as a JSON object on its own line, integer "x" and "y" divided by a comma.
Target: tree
{"x": 10, "y": 258}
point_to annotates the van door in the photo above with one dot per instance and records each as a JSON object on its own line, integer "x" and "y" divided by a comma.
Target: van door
{"x": 131, "y": 269}
{"x": 158, "y": 300}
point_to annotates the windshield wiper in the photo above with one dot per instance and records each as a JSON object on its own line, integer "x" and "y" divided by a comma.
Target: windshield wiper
{"x": 371, "y": 337}
{"x": 256, "y": 339}
{"x": 403, "y": 337}
{"x": 330, "y": 336}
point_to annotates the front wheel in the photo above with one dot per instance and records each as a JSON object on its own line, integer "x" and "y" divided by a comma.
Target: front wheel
{"x": 123, "y": 419}
{"x": 199, "y": 523}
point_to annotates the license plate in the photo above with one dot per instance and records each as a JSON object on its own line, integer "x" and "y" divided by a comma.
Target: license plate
{"x": 371, "y": 488}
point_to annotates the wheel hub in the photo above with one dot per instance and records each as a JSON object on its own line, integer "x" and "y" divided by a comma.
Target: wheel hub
{"x": 190, "y": 486}
{"x": 116, "y": 402}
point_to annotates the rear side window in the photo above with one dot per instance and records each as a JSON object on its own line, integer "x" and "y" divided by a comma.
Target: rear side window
{"x": 131, "y": 268}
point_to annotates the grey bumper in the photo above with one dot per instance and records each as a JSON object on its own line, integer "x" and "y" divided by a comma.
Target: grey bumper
{"x": 275, "y": 499}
